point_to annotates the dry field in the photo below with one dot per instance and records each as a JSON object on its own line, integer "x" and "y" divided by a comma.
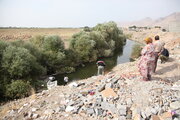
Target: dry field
{"x": 26, "y": 33}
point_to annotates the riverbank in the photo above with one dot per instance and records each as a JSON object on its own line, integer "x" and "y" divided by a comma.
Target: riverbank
{"x": 118, "y": 95}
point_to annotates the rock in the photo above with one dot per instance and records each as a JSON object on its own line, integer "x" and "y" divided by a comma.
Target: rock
{"x": 99, "y": 112}
{"x": 143, "y": 114}
{"x": 20, "y": 109}
{"x": 108, "y": 106}
{"x": 71, "y": 103}
{"x": 80, "y": 84}
{"x": 129, "y": 102}
{"x": 69, "y": 108}
{"x": 30, "y": 114}
{"x": 90, "y": 111}
{"x": 108, "y": 93}
{"x": 176, "y": 118}
{"x": 129, "y": 116}
{"x": 34, "y": 109}
{"x": 122, "y": 110}
{"x": 154, "y": 111}
{"x": 155, "y": 117}
{"x": 49, "y": 112}
{"x": 148, "y": 112}
{"x": 34, "y": 116}
{"x": 101, "y": 88}
{"x": 137, "y": 117}
{"x": 109, "y": 85}
{"x": 175, "y": 105}
{"x": 60, "y": 109}
{"x": 166, "y": 116}
{"x": 122, "y": 118}
{"x": 73, "y": 84}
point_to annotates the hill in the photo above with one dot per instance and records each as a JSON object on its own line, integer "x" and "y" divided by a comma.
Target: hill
{"x": 148, "y": 22}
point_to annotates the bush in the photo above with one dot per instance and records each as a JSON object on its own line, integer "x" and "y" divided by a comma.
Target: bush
{"x": 53, "y": 43}
{"x": 18, "y": 63}
{"x": 101, "y": 41}
{"x": 136, "y": 51}
{"x": 18, "y": 89}
{"x": 83, "y": 45}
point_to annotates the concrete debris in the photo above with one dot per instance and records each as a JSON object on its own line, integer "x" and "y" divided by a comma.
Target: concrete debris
{"x": 116, "y": 97}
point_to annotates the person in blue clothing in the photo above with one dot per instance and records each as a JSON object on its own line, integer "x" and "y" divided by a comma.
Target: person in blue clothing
{"x": 164, "y": 56}
{"x": 101, "y": 65}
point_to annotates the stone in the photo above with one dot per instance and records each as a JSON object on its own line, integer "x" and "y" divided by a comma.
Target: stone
{"x": 49, "y": 112}
{"x": 34, "y": 109}
{"x": 80, "y": 84}
{"x": 137, "y": 117}
{"x": 101, "y": 88}
{"x": 30, "y": 114}
{"x": 20, "y": 109}
{"x": 129, "y": 116}
{"x": 73, "y": 84}
{"x": 99, "y": 112}
{"x": 122, "y": 118}
{"x": 109, "y": 85}
{"x": 143, "y": 114}
{"x": 176, "y": 86}
{"x": 71, "y": 103}
{"x": 108, "y": 106}
{"x": 148, "y": 112}
{"x": 175, "y": 105}
{"x": 90, "y": 111}
{"x": 34, "y": 116}
{"x": 176, "y": 118}
{"x": 166, "y": 116}
{"x": 122, "y": 112}
{"x": 122, "y": 109}
{"x": 108, "y": 92}
{"x": 155, "y": 117}
{"x": 129, "y": 102}
{"x": 154, "y": 111}
{"x": 60, "y": 109}
{"x": 69, "y": 108}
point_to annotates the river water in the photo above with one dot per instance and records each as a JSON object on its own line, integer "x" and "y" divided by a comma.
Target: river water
{"x": 90, "y": 69}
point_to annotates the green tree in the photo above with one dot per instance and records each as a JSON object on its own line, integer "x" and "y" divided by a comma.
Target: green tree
{"x": 53, "y": 43}
{"x": 18, "y": 63}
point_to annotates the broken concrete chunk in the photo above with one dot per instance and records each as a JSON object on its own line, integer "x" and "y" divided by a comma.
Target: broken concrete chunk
{"x": 101, "y": 88}
{"x": 108, "y": 93}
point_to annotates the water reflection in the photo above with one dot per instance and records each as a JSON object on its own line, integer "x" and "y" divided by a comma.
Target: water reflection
{"x": 121, "y": 56}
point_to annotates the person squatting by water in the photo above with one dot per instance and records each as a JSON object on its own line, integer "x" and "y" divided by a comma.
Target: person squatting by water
{"x": 146, "y": 63}
{"x": 101, "y": 65}
{"x": 158, "y": 45}
{"x": 66, "y": 80}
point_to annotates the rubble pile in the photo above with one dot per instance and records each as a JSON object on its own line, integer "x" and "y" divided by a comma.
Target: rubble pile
{"x": 115, "y": 97}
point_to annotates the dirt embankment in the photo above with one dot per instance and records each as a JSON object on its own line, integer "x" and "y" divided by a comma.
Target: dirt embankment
{"x": 119, "y": 95}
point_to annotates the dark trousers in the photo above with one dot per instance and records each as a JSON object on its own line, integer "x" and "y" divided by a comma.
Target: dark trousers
{"x": 156, "y": 59}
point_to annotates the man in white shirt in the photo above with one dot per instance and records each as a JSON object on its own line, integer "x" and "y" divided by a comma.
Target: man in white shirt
{"x": 159, "y": 46}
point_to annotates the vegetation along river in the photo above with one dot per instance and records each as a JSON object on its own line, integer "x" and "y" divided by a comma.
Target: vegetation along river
{"x": 90, "y": 69}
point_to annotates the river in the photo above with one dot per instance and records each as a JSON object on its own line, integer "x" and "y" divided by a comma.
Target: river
{"x": 90, "y": 69}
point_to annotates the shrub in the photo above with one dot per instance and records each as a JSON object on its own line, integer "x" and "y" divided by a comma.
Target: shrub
{"x": 18, "y": 89}
{"x": 37, "y": 40}
{"x": 17, "y": 63}
{"x": 83, "y": 45}
{"x": 53, "y": 43}
{"x": 136, "y": 51}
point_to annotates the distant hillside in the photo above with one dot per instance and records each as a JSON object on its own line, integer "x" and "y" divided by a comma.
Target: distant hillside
{"x": 163, "y": 22}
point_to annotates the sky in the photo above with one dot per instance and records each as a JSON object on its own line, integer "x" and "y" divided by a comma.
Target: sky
{"x": 80, "y": 13}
